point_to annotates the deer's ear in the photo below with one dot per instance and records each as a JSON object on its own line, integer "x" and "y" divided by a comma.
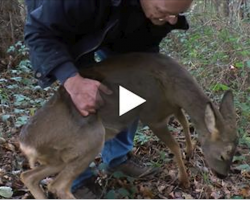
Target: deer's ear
{"x": 210, "y": 121}
{"x": 227, "y": 107}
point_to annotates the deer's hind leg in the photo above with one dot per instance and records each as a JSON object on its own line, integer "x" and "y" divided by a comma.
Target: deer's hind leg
{"x": 183, "y": 121}
{"x": 61, "y": 185}
{"x": 86, "y": 148}
{"x": 162, "y": 132}
{"x": 32, "y": 178}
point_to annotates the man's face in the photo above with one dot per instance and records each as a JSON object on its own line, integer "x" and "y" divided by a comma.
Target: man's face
{"x": 162, "y": 11}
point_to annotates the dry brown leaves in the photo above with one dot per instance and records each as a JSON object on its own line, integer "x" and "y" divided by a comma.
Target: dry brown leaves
{"x": 164, "y": 184}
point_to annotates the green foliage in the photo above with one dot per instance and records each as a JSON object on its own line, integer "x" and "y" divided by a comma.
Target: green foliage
{"x": 206, "y": 178}
{"x": 19, "y": 93}
{"x": 220, "y": 87}
{"x": 19, "y": 48}
{"x": 119, "y": 174}
{"x": 3, "y": 96}
{"x": 111, "y": 195}
{"x": 6, "y": 192}
{"x": 143, "y": 135}
{"x": 217, "y": 55}
{"x": 21, "y": 120}
{"x": 5, "y": 117}
{"x": 239, "y": 64}
{"x": 121, "y": 192}
{"x": 237, "y": 197}
{"x": 102, "y": 166}
{"x": 245, "y": 167}
{"x": 245, "y": 139}
{"x": 238, "y": 158}
{"x": 140, "y": 137}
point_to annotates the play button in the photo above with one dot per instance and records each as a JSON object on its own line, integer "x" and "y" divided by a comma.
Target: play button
{"x": 128, "y": 100}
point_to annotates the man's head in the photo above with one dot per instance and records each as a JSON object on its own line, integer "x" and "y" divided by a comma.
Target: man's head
{"x": 162, "y": 11}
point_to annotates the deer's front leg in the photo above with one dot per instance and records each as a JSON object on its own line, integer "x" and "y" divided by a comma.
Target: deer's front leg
{"x": 183, "y": 121}
{"x": 161, "y": 130}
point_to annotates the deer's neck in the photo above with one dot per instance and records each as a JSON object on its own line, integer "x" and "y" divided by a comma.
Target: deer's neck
{"x": 194, "y": 102}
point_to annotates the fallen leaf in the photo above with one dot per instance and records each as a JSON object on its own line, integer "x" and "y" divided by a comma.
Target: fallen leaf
{"x": 171, "y": 195}
{"x": 246, "y": 174}
{"x": 2, "y": 140}
{"x": 245, "y": 192}
{"x": 6, "y": 192}
{"x": 172, "y": 174}
{"x": 161, "y": 188}
{"x": 46, "y": 181}
{"x": 187, "y": 196}
{"x": 216, "y": 194}
{"x": 178, "y": 195}
{"x": 147, "y": 193}
{"x": 9, "y": 146}
{"x": 2, "y": 172}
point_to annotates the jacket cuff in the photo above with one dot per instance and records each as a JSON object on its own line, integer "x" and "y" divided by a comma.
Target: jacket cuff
{"x": 64, "y": 71}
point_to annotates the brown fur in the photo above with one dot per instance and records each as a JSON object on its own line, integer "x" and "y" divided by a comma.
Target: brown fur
{"x": 64, "y": 142}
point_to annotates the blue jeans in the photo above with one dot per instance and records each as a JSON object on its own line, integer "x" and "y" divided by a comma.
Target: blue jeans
{"x": 115, "y": 150}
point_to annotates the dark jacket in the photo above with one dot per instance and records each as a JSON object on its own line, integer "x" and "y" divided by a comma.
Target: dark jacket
{"x": 58, "y": 32}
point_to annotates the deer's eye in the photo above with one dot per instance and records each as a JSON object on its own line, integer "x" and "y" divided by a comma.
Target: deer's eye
{"x": 222, "y": 158}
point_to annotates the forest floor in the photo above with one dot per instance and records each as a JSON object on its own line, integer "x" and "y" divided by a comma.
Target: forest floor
{"x": 20, "y": 97}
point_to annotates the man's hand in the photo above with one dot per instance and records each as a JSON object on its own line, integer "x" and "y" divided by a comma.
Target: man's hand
{"x": 85, "y": 93}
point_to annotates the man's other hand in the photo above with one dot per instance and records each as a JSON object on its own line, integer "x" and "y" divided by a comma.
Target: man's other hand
{"x": 85, "y": 94}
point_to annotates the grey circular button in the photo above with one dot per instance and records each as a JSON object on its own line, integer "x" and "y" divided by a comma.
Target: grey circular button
{"x": 38, "y": 75}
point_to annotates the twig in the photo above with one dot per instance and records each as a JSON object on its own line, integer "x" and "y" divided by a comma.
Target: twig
{"x": 161, "y": 196}
{"x": 12, "y": 28}
{"x": 201, "y": 192}
{"x": 203, "y": 25}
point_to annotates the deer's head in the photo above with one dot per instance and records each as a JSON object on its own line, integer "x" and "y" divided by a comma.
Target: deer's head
{"x": 219, "y": 145}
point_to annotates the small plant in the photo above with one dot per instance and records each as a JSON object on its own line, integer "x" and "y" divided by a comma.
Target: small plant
{"x": 19, "y": 48}
{"x": 140, "y": 137}
{"x": 128, "y": 191}
{"x": 143, "y": 135}
{"x": 20, "y": 95}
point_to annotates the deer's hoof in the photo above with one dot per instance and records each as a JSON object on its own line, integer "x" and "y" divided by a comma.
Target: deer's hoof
{"x": 190, "y": 150}
{"x": 189, "y": 153}
{"x": 184, "y": 182}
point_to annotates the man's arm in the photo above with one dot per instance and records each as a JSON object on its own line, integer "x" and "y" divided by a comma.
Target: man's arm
{"x": 49, "y": 28}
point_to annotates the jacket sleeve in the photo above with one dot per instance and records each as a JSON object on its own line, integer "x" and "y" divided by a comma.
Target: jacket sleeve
{"x": 50, "y": 26}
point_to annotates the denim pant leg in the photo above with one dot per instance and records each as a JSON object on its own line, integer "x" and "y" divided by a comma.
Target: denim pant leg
{"x": 115, "y": 150}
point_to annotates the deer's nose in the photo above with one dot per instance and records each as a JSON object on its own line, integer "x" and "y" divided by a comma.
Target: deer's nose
{"x": 221, "y": 176}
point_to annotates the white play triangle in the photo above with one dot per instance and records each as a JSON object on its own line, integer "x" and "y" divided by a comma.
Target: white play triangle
{"x": 128, "y": 100}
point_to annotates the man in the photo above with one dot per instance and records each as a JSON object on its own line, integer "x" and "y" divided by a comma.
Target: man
{"x": 64, "y": 34}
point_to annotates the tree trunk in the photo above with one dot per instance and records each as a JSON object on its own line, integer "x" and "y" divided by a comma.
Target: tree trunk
{"x": 11, "y": 25}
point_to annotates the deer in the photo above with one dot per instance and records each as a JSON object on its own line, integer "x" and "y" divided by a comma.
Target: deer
{"x": 59, "y": 141}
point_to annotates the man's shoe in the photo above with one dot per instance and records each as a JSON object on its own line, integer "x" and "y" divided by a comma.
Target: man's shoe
{"x": 90, "y": 190}
{"x": 134, "y": 167}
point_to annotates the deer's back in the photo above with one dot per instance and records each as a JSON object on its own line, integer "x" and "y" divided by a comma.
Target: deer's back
{"x": 161, "y": 81}
{"x": 156, "y": 78}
